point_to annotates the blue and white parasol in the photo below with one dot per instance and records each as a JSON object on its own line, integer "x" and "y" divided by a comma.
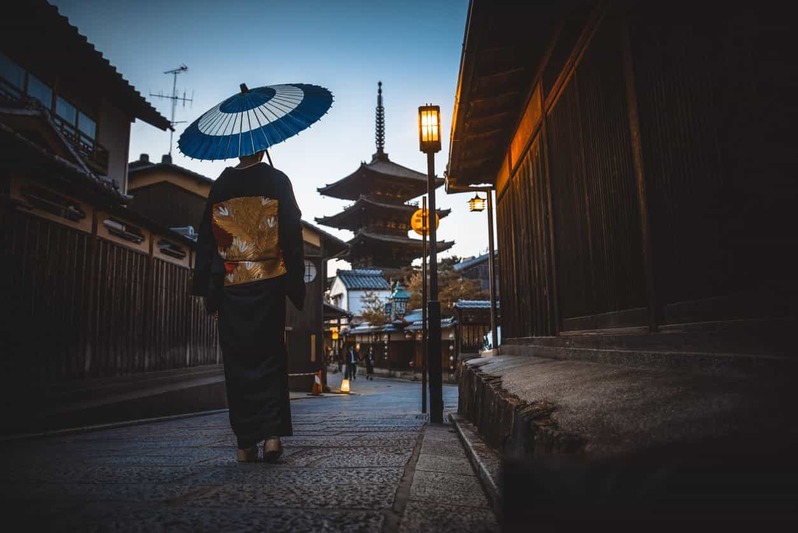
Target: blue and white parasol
{"x": 254, "y": 120}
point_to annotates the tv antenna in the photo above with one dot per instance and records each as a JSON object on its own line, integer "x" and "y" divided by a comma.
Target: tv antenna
{"x": 175, "y": 98}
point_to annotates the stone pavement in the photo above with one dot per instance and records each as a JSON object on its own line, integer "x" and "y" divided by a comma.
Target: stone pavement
{"x": 367, "y": 461}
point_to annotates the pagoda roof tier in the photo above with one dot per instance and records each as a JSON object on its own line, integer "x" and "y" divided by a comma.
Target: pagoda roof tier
{"x": 391, "y": 245}
{"x": 382, "y": 178}
{"x": 367, "y": 209}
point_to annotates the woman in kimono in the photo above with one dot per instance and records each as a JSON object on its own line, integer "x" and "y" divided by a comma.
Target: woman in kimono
{"x": 249, "y": 259}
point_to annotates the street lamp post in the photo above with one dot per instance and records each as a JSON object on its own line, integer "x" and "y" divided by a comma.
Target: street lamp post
{"x": 429, "y": 135}
{"x": 478, "y": 204}
{"x": 424, "y": 363}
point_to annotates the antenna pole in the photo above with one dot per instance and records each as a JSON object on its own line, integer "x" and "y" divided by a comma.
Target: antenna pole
{"x": 174, "y": 98}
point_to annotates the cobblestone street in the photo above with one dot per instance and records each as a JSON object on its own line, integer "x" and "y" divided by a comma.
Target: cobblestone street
{"x": 367, "y": 461}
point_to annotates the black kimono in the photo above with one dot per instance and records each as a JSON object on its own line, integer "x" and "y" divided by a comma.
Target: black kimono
{"x": 249, "y": 258}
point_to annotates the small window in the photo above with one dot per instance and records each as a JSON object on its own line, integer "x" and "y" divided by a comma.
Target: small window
{"x": 38, "y": 90}
{"x": 87, "y": 126}
{"x": 66, "y": 111}
{"x": 11, "y": 72}
{"x": 123, "y": 231}
{"x": 171, "y": 249}
{"x": 53, "y": 203}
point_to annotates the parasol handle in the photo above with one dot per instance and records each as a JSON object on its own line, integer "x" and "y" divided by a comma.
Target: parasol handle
{"x": 268, "y": 157}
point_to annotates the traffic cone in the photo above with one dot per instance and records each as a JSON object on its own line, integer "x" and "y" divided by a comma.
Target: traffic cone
{"x": 317, "y": 388}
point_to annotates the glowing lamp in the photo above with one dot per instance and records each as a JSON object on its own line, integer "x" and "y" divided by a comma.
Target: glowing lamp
{"x": 345, "y": 386}
{"x": 429, "y": 128}
{"x": 476, "y": 203}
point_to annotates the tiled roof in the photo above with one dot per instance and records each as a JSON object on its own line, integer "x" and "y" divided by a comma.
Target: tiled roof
{"x": 140, "y": 166}
{"x": 333, "y": 311}
{"x": 350, "y": 187}
{"x": 473, "y": 304}
{"x": 413, "y": 315}
{"x": 462, "y": 265}
{"x": 363, "y": 279}
{"x": 368, "y": 328}
{"x": 446, "y": 322}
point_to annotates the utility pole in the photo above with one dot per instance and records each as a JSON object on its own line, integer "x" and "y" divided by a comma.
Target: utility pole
{"x": 174, "y": 98}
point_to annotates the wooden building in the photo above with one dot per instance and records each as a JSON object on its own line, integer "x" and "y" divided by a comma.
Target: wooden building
{"x": 92, "y": 289}
{"x": 350, "y": 287}
{"x": 169, "y": 193}
{"x": 473, "y": 323}
{"x": 643, "y": 160}
{"x": 478, "y": 268}
{"x": 381, "y": 212}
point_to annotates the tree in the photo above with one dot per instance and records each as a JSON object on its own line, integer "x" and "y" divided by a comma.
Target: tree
{"x": 452, "y": 286}
{"x": 373, "y": 309}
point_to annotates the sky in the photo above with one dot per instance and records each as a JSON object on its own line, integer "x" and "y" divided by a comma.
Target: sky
{"x": 412, "y": 46}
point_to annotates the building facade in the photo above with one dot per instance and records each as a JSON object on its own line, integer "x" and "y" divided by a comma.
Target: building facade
{"x": 96, "y": 290}
{"x": 350, "y": 288}
{"x": 642, "y": 170}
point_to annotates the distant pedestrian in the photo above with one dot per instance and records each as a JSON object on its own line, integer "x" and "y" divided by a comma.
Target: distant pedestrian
{"x": 351, "y": 362}
{"x": 339, "y": 359}
{"x": 370, "y": 364}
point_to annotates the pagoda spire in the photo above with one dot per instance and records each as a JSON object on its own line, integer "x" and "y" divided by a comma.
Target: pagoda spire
{"x": 380, "y": 125}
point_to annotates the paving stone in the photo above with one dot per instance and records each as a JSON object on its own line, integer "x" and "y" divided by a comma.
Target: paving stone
{"x": 448, "y": 488}
{"x": 152, "y": 460}
{"x": 453, "y": 464}
{"x": 356, "y": 458}
{"x": 263, "y": 474}
{"x": 125, "y": 518}
{"x": 307, "y": 496}
{"x": 93, "y": 492}
{"x": 443, "y": 518}
{"x": 90, "y": 473}
{"x": 320, "y": 440}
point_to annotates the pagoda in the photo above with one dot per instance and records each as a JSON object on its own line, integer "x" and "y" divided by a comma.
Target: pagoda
{"x": 381, "y": 212}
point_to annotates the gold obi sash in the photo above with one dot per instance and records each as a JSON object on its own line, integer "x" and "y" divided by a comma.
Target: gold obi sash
{"x": 247, "y": 237}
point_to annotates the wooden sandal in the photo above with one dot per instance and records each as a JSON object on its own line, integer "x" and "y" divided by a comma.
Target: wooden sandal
{"x": 272, "y": 449}
{"x": 247, "y": 455}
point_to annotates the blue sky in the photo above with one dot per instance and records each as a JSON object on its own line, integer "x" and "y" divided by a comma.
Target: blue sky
{"x": 347, "y": 46}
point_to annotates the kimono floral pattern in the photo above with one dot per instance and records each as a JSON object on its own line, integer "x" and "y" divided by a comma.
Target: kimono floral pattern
{"x": 247, "y": 236}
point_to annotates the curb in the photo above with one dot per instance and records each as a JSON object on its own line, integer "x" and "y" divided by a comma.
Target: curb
{"x": 484, "y": 459}
{"x": 111, "y": 425}
{"x": 132, "y": 422}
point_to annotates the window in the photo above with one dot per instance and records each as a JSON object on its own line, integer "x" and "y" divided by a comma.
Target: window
{"x": 66, "y": 111}
{"x": 11, "y": 72}
{"x": 40, "y": 91}
{"x": 87, "y": 125}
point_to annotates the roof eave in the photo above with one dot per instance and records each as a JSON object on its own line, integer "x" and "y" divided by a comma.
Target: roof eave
{"x": 22, "y": 29}
{"x": 497, "y": 66}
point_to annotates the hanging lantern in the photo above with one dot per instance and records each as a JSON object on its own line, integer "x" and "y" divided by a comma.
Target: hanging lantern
{"x": 476, "y": 203}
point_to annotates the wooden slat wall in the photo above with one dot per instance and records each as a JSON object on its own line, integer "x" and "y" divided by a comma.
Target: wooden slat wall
{"x": 82, "y": 307}
{"x": 666, "y": 143}
{"x": 607, "y": 180}
{"x": 523, "y": 228}
{"x": 594, "y": 213}
{"x": 717, "y": 112}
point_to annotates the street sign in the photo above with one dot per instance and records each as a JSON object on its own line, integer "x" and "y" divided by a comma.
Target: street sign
{"x": 417, "y": 221}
